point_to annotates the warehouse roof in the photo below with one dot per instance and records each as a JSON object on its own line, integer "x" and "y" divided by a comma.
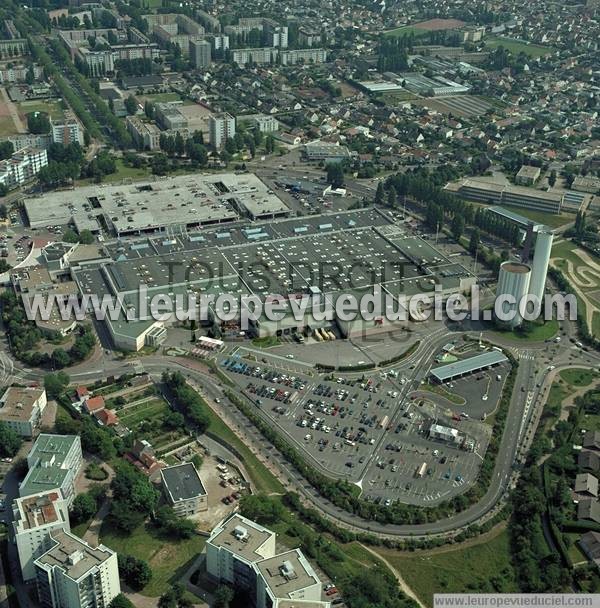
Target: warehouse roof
{"x": 466, "y": 366}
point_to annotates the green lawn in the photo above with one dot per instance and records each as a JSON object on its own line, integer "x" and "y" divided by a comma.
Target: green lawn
{"x": 575, "y": 553}
{"x": 539, "y": 333}
{"x": 470, "y": 569}
{"x": 405, "y": 30}
{"x": 266, "y": 341}
{"x": 590, "y": 422}
{"x": 53, "y": 108}
{"x": 168, "y": 559}
{"x": 166, "y": 97}
{"x": 439, "y": 390}
{"x": 262, "y": 478}
{"x": 550, "y": 219}
{"x": 145, "y": 412}
{"x": 578, "y": 377}
{"x": 122, "y": 172}
{"x": 516, "y": 46}
{"x": 7, "y": 126}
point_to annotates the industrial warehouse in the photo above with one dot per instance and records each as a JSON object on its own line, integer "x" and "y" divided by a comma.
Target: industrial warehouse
{"x": 328, "y": 255}
{"x": 182, "y": 202}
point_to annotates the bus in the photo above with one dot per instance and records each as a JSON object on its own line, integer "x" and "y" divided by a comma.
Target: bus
{"x": 421, "y": 470}
{"x": 383, "y": 423}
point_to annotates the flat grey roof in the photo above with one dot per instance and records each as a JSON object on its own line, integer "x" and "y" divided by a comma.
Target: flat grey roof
{"x": 514, "y": 217}
{"x": 466, "y": 366}
{"x": 250, "y": 547}
{"x": 281, "y": 584}
{"x": 181, "y": 201}
{"x": 182, "y": 482}
{"x": 73, "y": 556}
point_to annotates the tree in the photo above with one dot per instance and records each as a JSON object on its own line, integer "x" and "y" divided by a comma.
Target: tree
{"x": 120, "y": 601}
{"x": 135, "y": 572}
{"x": 86, "y": 237}
{"x": 380, "y": 194}
{"x": 38, "y": 123}
{"x": 10, "y": 442}
{"x": 261, "y": 509}
{"x": 131, "y": 105}
{"x": 458, "y": 226}
{"x": 83, "y": 508}
{"x": 474, "y": 241}
{"x": 160, "y": 164}
{"x": 223, "y": 596}
{"x": 55, "y": 384}
{"x": 173, "y": 526}
{"x": 6, "y": 149}
{"x": 392, "y": 197}
{"x": 60, "y": 358}
{"x": 552, "y": 178}
{"x": 335, "y": 175}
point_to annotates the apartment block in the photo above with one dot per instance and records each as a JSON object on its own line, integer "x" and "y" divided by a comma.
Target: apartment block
{"x": 184, "y": 489}
{"x": 21, "y": 409}
{"x": 73, "y": 574}
{"x": 34, "y": 518}
{"x": 200, "y": 53}
{"x": 22, "y": 166}
{"x": 145, "y": 135}
{"x": 66, "y": 131}
{"x": 244, "y": 554}
{"x": 221, "y": 128}
{"x": 54, "y": 462}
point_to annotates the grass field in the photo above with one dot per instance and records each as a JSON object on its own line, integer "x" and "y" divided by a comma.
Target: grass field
{"x": 168, "y": 559}
{"x": 7, "y": 126}
{"x": 405, "y": 30}
{"x": 262, "y": 478}
{"x": 539, "y": 333}
{"x": 166, "y": 97}
{"x": 486, "y": 565}
{"x": 54, "y": 109}
{"x": 578, "y": 377}
{"x": 550, "y": 219}
{"x": 516, "y": 46}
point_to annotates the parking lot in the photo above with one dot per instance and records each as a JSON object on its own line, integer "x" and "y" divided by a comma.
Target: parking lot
{"x": 375, "y": 430}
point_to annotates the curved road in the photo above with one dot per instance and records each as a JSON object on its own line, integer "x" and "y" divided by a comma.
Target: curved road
{"x": 522, "y": 406}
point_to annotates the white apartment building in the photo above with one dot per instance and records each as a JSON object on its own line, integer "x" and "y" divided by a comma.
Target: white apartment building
{"x": 21, "y": 409}
{"x": 242, "y": 553}
{"x": 221, "y": 128}
{"x": 54, "y": 462}
{"x": 21, "y": 166}
{"x": 34, "y": 518}
{"x": 66, "y": 131}
{"x": 73, "y": 574}
{"x": 287, "y": 576}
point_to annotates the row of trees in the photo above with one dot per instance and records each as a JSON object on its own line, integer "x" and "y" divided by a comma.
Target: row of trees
{"x": 442, "y": 209}
{"x": 393, "y": 53}
{"x": 187, "y": 400}
{"x": 66, "y": 90}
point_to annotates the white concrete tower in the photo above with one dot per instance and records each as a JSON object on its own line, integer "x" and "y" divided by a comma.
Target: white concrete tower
{"x": 513, "y": 280}
{"x": 541, "y": 259}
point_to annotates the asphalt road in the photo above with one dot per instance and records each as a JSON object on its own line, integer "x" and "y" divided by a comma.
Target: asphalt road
{"x": 533, "y": 370}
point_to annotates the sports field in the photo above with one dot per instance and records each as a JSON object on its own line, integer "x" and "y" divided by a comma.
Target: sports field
{"x": 518, "y": 46}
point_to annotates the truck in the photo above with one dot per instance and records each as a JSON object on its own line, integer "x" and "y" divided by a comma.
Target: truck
{"x": 323, "y": 334}
{"x": 421, "y": 470}
{"x": 384, "y": 422}
{"x": 331, "y": 335}
{"x": 317, "y": 335}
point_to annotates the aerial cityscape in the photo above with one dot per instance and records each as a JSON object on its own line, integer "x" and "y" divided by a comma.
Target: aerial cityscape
{"x": 299, "y": 304}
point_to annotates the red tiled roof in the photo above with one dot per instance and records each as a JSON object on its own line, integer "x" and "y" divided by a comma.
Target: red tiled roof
{"x": 94, "y": 404}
